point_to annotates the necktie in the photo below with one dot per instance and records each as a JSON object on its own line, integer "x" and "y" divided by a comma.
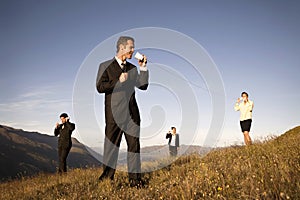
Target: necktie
{"x": 123, "y": 67}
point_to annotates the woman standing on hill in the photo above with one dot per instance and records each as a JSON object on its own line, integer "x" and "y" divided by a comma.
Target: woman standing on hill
{"x": 245, "y": 106}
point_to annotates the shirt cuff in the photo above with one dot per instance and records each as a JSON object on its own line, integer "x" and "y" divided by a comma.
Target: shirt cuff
{"x": 144, "y": 69}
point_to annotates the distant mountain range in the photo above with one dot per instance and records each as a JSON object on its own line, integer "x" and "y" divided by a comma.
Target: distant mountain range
{"x": 155, "y": 152}
{"x": 24, "y": 153}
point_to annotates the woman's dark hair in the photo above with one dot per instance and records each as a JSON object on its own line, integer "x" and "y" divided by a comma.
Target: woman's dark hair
{"x": 172, "y": 127}
{"x": 245, "y": 94}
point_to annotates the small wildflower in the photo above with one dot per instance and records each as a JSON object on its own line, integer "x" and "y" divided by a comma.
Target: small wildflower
{"x": 265, "y": 193}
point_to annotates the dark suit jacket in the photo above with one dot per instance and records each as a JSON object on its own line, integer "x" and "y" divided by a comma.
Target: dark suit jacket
{"x": 169, "y": 136}
{"x": 65, "y": 131}
{"x": 120, "y": 102}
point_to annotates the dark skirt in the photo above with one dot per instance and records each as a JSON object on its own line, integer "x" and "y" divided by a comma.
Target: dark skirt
{"x": 246, "y": 125}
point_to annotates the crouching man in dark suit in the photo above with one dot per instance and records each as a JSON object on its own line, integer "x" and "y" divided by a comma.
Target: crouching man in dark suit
{"x": 118, "y": 78}
{"x": 64, "y": 131}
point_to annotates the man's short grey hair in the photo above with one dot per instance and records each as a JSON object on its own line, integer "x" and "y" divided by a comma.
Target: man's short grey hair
{"x": 123, "y": 40}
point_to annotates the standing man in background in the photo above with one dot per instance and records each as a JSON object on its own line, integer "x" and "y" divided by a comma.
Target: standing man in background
{"x": 173, "y": 141}
{"x": 64, "y": 130}
{"x": 118, "y": 78}
{"x": 245, "y": 106}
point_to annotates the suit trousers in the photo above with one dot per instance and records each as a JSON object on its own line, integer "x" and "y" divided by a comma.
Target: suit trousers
{"x": 63, "y": 152}
{"x": 173, "y": 150}
{"x": 113, "y": 136}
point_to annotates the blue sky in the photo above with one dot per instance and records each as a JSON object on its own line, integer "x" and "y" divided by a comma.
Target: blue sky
{"x": 254, "y": 44}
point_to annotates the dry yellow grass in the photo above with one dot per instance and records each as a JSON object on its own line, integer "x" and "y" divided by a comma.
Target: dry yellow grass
{"x": 265, "y": 170}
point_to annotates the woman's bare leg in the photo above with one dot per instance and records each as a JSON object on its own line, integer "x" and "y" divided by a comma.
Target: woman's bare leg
{"x": 247, "y": 138}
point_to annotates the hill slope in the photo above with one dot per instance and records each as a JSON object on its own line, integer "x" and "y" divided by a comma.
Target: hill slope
{"x": 29, "y": 153}
{"x": 266, "y": 170}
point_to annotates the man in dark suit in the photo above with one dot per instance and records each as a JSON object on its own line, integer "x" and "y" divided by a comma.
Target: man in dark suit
{"x": 173, "y": 141}
{"x": 118, "y": 78}
{"x": 64, "y": 131}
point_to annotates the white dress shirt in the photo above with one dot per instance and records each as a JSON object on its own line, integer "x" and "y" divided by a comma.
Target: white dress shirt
{"x": 173, "y": 140}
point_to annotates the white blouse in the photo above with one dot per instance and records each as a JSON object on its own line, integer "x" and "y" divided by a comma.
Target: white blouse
{"x": 245, "y": 109}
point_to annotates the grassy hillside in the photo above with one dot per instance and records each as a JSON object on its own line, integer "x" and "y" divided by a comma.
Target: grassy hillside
{"x": 26, "y": 153}
{"x": 266, "y": 170}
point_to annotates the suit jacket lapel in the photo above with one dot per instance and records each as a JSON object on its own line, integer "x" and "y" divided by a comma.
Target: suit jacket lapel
{"x": 116, "y": 67}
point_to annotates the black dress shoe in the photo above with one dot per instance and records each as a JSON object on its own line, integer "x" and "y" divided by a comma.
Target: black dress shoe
{"x": 101, "y": 178}
{"x": 138, "y": 183}
{"x": 104, "y": 177}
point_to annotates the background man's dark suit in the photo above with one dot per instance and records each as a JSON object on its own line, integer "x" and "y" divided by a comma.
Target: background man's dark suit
{"x": 64, "y": 143}
{"x": 173, "y": 149}
{"x": 121, "y": 115}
